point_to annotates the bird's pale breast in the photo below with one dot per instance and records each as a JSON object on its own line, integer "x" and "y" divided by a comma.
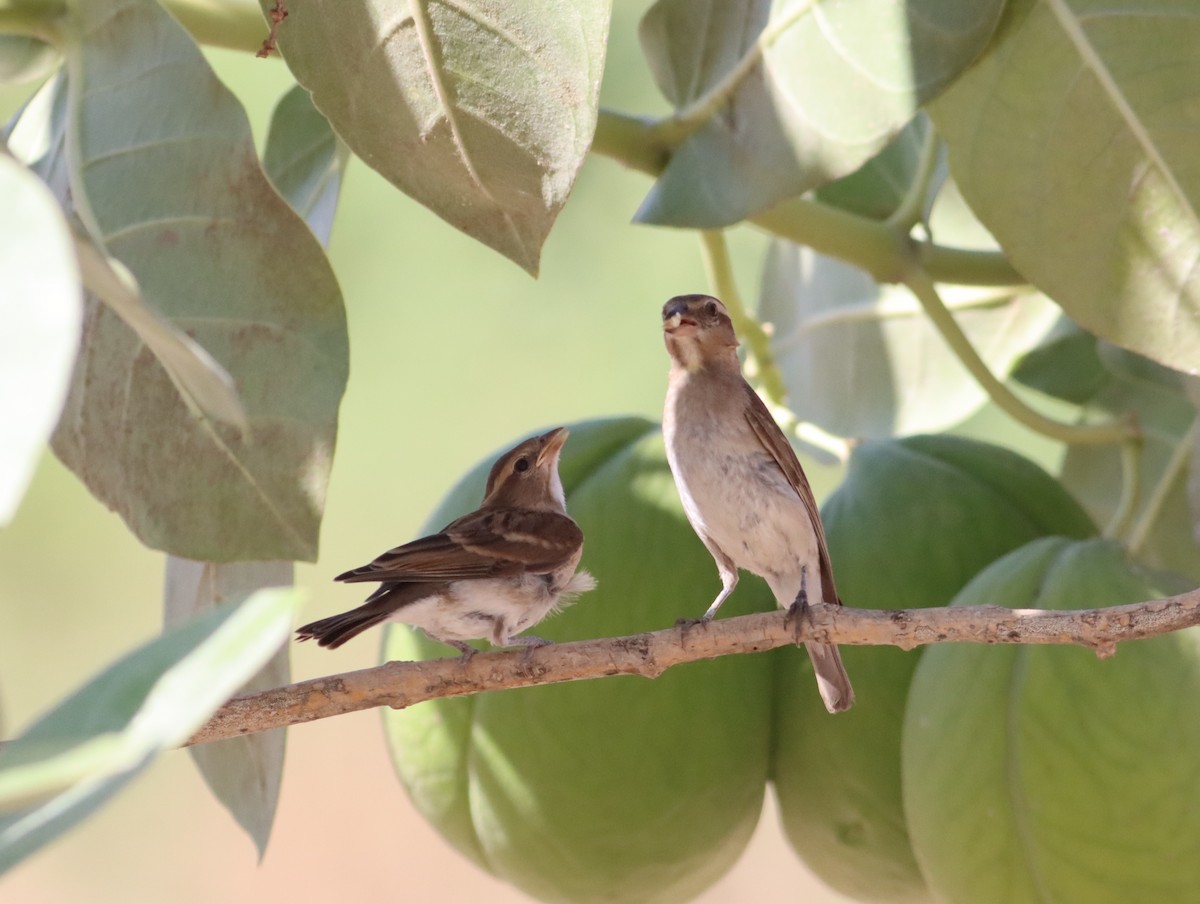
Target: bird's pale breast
{"x": 735, "y": 494}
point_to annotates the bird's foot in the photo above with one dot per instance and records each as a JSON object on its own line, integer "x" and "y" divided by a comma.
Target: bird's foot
{"x": 530, "y": 643}
{"x": 799, "y": 605}
{"x": 688, "y": 623}
{"x": 465, "y": 649}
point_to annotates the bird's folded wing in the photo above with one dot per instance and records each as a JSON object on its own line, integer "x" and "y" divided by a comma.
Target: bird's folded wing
{"x": 489, "y": 543}
{"x": 535, "y": 541}
{"x": 781, "y": 450}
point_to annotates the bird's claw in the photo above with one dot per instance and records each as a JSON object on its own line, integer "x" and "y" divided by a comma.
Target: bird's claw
{"x": 530, "y": 644}
{"x": 799, "y": 605}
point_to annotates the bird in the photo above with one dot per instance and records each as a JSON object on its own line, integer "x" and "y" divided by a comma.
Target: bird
{"x": 739, "y": 480}
{"x": 487, "y": 575}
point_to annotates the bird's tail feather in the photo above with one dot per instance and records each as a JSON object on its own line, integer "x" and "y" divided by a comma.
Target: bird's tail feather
{"x": 334, "y": 631}
{"x": 832, "y": 680}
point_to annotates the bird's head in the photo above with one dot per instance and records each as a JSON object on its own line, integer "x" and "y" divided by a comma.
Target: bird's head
{"x": 698, "y": 331}
{"x": 526, "y": 476}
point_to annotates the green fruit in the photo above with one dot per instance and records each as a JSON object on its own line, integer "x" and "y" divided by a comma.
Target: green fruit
{"x": 1037, "y": 773}
{"x": 618, "y": 789}
{"x": 914, "y": 520}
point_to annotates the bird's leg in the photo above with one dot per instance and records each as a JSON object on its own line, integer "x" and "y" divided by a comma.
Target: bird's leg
{"x": 463, "y": 647}
{"x": 729, "y": 580}
{"x": 800, "y": 604}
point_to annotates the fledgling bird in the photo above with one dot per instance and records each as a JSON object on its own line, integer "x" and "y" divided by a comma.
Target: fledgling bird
{"x": 488, "y": 575}
{"x": 741, "y": 484}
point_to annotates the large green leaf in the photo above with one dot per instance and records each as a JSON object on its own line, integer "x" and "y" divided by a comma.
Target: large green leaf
{"x": 41, "y": 311}
{"x": 1064, "y": 366}
{"x": 1075, "y": 141}
{"x": 73, "y": 759}
{"x": 1041, "y": 773}
{"x": 789, "y": 94}
{"x": 163, "y": 172}
{"x": 863, "y": 360}
{"x": 481, "y": 111}
{"x": 243, "y": 773}
{"x": 877, "y": 187}
{"x": 1095, "y": 474}
{"x": 1108, "y": 382}
{"x": 305, "y": 161}
{"x": 39, "y": 138}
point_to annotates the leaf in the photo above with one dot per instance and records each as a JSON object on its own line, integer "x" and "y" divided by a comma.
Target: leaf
{"x": 1074, "y": 144}
{"x": 1065, "y": 366}
{"x": 201, "y": 382}
{"x": 305, "y": 161}
{"x": 77, "y": 756}
{"x": 784, "y": 96}
{"x": 182, "y": 202}
{"x": 877, "y": 187}
{"x": 23, "y": 59}
{"x": 1192, "y": 388}
{"x": 42, "y": 312}
{"x": 243, "y": 773}
{"x": 39, "y": 138}
{"x": 482, "y": 112}
{"x": 1164, "y": 414}
{"x": 861, "y": 360}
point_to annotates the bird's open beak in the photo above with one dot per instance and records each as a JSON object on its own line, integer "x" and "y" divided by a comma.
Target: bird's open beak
{"x": 675, "y": 320}
{"x": 553, "y": 443}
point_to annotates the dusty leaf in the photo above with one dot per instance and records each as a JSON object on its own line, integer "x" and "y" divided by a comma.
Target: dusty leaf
{"x": 482, "y": 111}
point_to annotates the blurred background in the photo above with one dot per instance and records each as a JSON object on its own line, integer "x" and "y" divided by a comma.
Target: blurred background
{"x": 454, "y": 353}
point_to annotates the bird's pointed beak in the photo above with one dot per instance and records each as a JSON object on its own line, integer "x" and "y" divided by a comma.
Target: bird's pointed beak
{"x": 676, "y": 322}
{"x": 553, "y": 441}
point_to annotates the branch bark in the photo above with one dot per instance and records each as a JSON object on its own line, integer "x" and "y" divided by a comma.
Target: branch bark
{"x": 401, "y": 684}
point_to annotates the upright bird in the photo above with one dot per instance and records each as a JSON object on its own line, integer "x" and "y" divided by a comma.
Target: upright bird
{"x": 741, "y": 484}
{"x": 488, "y": 575}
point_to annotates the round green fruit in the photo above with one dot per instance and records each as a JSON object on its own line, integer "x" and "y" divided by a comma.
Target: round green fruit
{"x": 1040, "y": 773}
{"x": 913, "y": 522}
{"x": 618, "y": 789}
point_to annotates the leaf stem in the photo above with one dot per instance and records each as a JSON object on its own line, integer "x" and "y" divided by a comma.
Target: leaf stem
{"x": 1162, "y": 490}
{"x": 922, "y": 286}
{"x": 912, "y": 208}
{"x": 1131, "y": 489}
{"x": 232, "y": 24}
{"x": 761, "y": 360}
{"x": 883, "y": 251}
{"x": 32, "y": 18}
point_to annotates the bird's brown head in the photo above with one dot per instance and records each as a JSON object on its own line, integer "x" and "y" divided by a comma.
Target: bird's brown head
{"x": 698, "y": 332}
{"x": 526, "y": 476}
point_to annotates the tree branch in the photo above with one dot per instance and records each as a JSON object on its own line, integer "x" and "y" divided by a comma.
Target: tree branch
{"x": 401, "y": 684}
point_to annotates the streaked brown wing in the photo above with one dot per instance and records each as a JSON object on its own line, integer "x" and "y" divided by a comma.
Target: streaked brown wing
{"x": 433, "y": 558}
{"x": 486, "y": 543}
{"x": 781, "y": 450}
{"x": 536, "y": 541}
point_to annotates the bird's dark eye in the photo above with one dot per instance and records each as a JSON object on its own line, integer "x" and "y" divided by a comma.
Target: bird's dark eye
{"x": 521, "y": 466}
{"x": 711, "y": 309}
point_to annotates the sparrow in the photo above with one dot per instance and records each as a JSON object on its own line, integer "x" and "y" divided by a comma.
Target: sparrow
{"x": 488, "y": 575}
{"x": 741, "y": 485}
